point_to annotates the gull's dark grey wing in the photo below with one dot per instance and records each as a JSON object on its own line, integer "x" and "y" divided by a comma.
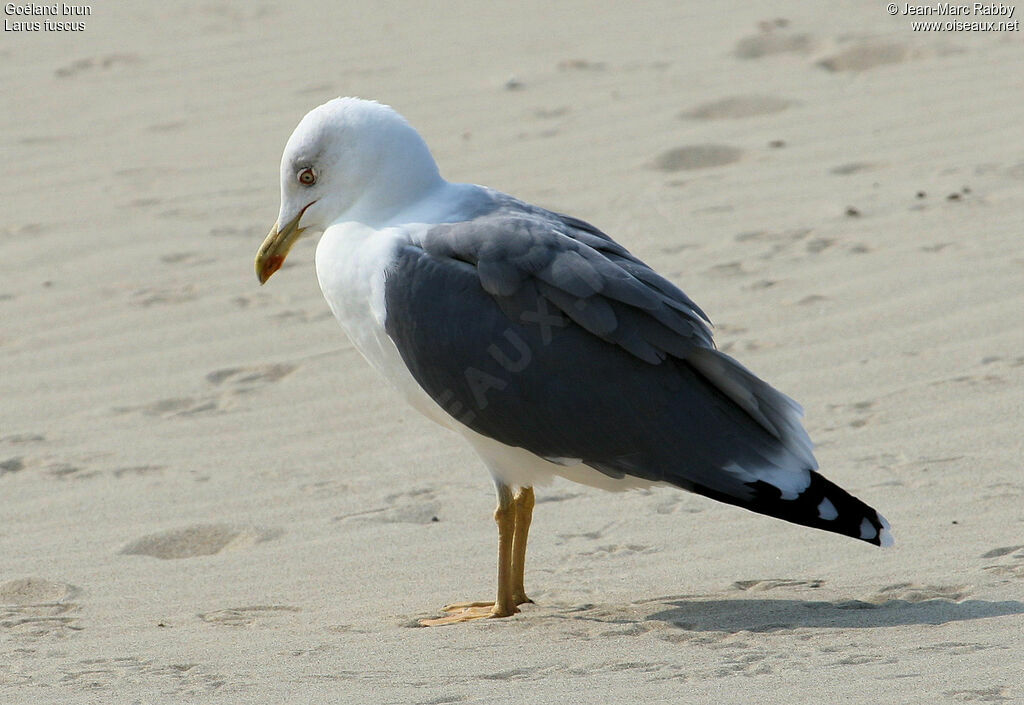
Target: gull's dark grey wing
{"x": 541, "y": 332}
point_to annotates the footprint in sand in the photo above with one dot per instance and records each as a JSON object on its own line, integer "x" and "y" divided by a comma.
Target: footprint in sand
{"x": 970, "y": 381}
{"x": 28, "y": 591}
{"x": 138, "y": 470}
{"x": 866, "y": 55}
{"x": 911, "y": 592}
{"x": 37, "y": 607}
{"x": 186, "y": 680}
{"x": 96, "y": 63}
{"x": 767, "y": 244}
{"x": 619, "y": 550}
{"x": 678, "y": 504}
{"x": 958, "y": 648}
{"x": 819, "y": 244}
{"x": 584, "y": 535}
{"x": 179, "y": 406}
{"x": 1010, "y": 564}
{"x": 812, "y": 299}
{"x": 416, "y": 506}
{"x": 12, "y": 465}
{"x": 233, "y": 383}
{"x": 853, "y": 168}
{"x": 742, "y": 106}
{"x": 697, "y": 156}
{"x": 857, "y": 414}
{"x": 250, "y": 376}
{"x": 1003, "y": 551}
{"x": 728, "y": 269}
{"x": 773, "y": 38}
{"x": 775, "y": 583}
{"x": 994, "y": 694}
{"x": 246, "y": 616}
{"x": 198, "y": 540}
{"x": 56, "y": 467}
{"x": 152, "y": 296}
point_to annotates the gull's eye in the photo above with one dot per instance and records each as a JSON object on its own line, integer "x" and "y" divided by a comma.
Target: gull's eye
{"x": 307, "y": 177}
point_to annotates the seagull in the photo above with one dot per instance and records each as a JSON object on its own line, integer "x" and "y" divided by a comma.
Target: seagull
{"x": 535, "y": 336}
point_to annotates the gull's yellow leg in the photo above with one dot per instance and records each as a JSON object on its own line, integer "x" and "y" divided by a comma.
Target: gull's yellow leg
{"x": 504, "y": 605}
{"x": 523, "y": 504}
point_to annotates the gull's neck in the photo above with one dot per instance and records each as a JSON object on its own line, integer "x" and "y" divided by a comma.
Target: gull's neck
{"x": 404, "y": 175}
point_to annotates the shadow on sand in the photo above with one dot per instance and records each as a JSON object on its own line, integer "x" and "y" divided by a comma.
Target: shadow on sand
{"x": 765, "y": 615}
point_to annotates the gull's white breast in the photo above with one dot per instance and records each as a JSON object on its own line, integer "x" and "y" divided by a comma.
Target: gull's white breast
{"x": 352, "y": 260}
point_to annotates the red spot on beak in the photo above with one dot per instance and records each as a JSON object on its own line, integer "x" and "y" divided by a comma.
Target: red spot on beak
{"x": 273, "y": 264}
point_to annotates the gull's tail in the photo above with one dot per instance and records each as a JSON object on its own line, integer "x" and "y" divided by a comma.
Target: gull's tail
{"x": 822, "y": 505}
{"x": 779, "y": 479}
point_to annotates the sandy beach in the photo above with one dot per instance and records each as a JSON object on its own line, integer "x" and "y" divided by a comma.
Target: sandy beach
{"x": 207, "y": 495}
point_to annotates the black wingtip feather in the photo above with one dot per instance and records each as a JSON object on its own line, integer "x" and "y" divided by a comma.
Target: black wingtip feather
{"x": 823, "y": 505}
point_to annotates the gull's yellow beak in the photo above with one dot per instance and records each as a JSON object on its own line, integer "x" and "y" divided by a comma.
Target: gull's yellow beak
{"x": 275, "y": 248}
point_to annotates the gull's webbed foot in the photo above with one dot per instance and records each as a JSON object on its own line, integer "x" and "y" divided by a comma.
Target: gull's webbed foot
{"x": 468, "y": 611}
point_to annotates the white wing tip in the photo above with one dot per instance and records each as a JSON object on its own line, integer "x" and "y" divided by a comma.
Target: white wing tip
{"x": 885, "y": 539}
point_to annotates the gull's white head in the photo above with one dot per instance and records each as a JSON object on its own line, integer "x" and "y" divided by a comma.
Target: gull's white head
{"x": 348, "y": 159}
